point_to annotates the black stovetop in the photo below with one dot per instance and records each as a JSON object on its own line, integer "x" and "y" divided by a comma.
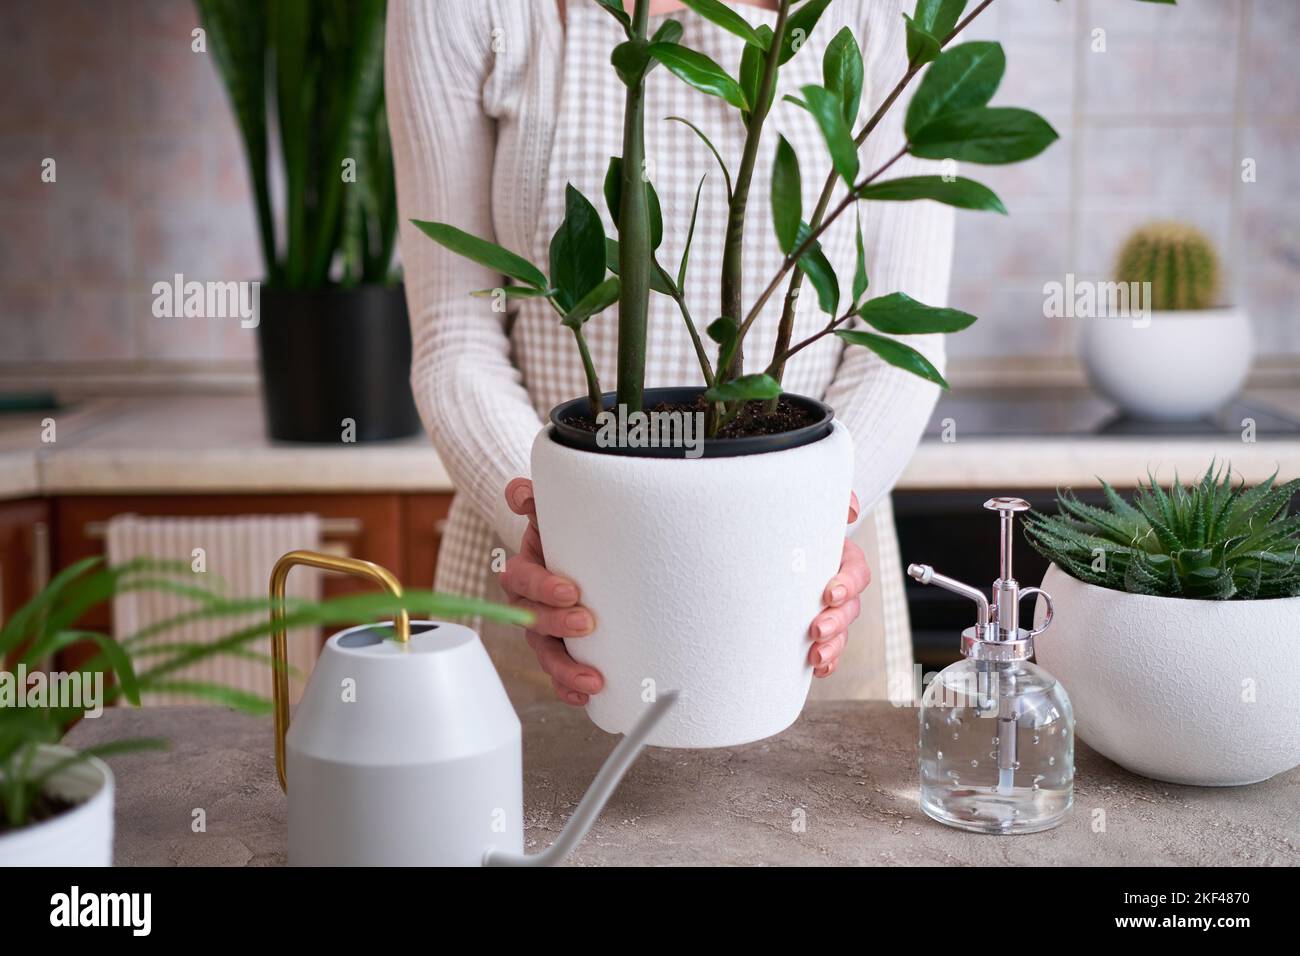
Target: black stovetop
{"x": 1071, "y": 412}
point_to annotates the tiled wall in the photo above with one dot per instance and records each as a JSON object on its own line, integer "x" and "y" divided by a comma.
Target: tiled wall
{"x": 151, "y": 180}
{"x": 1156, "y": 125}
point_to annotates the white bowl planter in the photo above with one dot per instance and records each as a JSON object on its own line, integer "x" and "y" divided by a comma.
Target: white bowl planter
{"x": 82, "y": 836}
{"x": 1180, "y": 367}
{"x": 1192, "y": 692}
{"x": 704, "y": 576}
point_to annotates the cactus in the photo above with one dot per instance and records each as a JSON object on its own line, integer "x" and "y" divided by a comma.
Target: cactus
{"x": 1178, "y": 260}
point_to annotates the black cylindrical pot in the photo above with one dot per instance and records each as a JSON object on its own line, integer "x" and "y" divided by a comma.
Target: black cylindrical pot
{"x": 333, "y": 355}
{"x": 566, "y": 433}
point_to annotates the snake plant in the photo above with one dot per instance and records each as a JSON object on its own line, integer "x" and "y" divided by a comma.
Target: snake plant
{"x": 152, "y": 659}
{"x": 320, "y": 63}
{"x": 1212, "y": 540}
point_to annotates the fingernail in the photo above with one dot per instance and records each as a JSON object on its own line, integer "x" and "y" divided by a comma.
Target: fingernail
{"x": 520, "y": 496}
{"x": 566, "y": 593}
{"x": 816, "y": 631}
{"x": 579, "y": 621}
{"x": 823, "y": 655}
{"x": 587, "y": 681}
{"x": 839, "y": 593}
{"x": 573, "y": 697}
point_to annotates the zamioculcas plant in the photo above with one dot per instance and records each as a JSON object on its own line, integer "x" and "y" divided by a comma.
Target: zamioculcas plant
{"x": 1211, "y": 540}
{"x": 948, "y": 118}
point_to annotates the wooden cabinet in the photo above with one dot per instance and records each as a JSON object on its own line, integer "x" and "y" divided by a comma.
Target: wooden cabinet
{"x": 401, "y": 532}
{"x": 25, "y": 555}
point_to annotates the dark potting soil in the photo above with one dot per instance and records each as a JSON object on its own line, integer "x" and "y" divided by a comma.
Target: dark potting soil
{"x": 754, "y": 418}
{"x": 43, "y": 808}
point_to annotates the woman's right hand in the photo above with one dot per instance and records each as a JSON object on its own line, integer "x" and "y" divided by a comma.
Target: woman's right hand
{"x": 554, "y": 602}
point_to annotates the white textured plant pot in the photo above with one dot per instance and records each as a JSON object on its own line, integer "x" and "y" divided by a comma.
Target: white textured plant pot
{"x": 704, "y": 576}
{"x": 83, "y": 836}
{"x": 1192, "y": 692}
{"x": 1180, "y": 367}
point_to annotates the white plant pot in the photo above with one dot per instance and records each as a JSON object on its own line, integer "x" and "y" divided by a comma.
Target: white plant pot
{"x": 1179, "y": 367}
{"x": 704, "y": 576}
{"x": 1192, "y": 692}
{"x": 83, "y": 836}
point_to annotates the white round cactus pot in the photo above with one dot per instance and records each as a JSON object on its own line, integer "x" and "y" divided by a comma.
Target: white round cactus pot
{"x": 1188, "y": 691}
{"x": 1168, "y": 366}
{"x": 704, "y": 573}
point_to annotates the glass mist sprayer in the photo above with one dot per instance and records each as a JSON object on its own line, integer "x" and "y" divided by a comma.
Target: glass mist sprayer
{"x": 996, "y": 730}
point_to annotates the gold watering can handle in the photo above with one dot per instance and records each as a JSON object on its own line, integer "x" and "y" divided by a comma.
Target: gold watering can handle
{"x": 279, "y": 643}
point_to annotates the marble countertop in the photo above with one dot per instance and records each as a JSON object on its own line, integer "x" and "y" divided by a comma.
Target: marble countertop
{"x": 195, "y": 443}
{"x": 849, "y": 766}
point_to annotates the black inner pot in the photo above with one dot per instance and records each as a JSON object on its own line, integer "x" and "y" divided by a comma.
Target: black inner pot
{"x": 566, "y": 433}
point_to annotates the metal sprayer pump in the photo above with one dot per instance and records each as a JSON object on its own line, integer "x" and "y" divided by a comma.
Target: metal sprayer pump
{"x": 997, "y": 732}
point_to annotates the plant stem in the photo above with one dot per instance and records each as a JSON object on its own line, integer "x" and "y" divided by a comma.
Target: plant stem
{"x": 733, "y": 250}
{"x": 595, "y": 397}
{"x": 781, "y": 351}
{"x": 700, "y": 352}
{"x": 812, "y": 237}
{"x": 634, "y": 252}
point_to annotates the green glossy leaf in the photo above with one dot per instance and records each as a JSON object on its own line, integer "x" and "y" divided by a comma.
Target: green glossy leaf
{"x": 726, "y": 174}
{"x": 577, "y": 250}
{"x": 825, "y": 108}
{"x": 697, "y": 70}
{"x": 630, "y": 60}
{"x": 616, "y": 9}
{"x": 719, "y": 13}
{"x": 934, "y": 20}
{"x": 900, "y": 314}
{"x": 725, "y": 332}
{"x": 722, "y": 330}
{"x": 820, "y": 273}
{"x": 690, "y": 235}
{"x": 658, "y": 278}
{"x": 597, "y": 300}
{"x": 895, "y": 353}
{"x": 670, "y": 31}
{"x": 860, "y": 281}
{"x": 922, "y": 47}
{"x": 990, "y": 135}
{"x": 799, "y": 27}
{"x": 960, "y": 192}
{"x": 787, "y": 195}
{"x": 842, "y": 73}
{"x": 751, "y": 69}
{"x": 745, "y": 388}
{"x": 962, "y": 78}
{"x": 483, "y": 252}
{"x": 613, "y": 200}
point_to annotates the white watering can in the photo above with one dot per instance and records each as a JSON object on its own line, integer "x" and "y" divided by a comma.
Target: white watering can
{"x": 405, "y": 751}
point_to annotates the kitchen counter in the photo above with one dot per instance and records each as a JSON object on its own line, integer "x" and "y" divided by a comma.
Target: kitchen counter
{"x": 848, "y": 766}
{"x": 216, "y": 443}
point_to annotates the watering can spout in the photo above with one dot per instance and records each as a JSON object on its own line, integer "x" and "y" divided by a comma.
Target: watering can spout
{"x": 601, "y": 789}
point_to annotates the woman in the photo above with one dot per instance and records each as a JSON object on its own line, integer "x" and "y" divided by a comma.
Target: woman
{"x": 494, "y": 106}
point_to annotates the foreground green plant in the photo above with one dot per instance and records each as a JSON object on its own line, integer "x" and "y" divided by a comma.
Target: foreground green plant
{"x": 322, "y": 62}
{"x": 1211, "y": 540}
{"x": 948, "y": 118}
{"x": 150, "y": 660}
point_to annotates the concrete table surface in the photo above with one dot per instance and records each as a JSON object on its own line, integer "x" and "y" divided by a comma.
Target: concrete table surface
{"x": 850, "y": 768}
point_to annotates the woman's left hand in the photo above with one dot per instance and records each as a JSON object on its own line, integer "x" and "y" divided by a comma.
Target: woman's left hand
{"x": 830, "y": 629}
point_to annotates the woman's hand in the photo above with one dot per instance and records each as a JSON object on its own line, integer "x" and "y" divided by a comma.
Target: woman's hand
{"x": 553, "y": 600}
{"x": 830, "y": 629}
